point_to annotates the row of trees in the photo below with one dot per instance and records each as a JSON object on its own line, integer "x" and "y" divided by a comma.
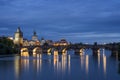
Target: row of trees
{"x": 7, "y": 46}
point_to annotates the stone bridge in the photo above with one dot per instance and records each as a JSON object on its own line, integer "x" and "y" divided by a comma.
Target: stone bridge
{"x": 78, "y": 49}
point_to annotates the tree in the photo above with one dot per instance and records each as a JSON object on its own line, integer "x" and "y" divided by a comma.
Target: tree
{"x": 7, "y": 46}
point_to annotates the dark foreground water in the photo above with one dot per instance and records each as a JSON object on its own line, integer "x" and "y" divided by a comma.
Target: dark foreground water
{"x": 60, "y": 67}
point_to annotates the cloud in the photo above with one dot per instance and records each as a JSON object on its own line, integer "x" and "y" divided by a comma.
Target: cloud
{"x": 80, "y": 19}
{"x": 4, "y": 29}
{"x": 85, "y": 35}
{"x": 90, "y": 37}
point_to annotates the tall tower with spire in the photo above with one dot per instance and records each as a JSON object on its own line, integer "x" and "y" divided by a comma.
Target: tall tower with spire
{"x": 34, "y": 37}
{"x": 18, "y": 37}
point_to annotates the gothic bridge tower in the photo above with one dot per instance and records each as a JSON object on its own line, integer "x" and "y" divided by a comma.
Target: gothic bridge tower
{"x": 18, "y": 37}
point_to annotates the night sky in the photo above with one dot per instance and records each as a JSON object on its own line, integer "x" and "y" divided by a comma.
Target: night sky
{"x": 75, "y": 20}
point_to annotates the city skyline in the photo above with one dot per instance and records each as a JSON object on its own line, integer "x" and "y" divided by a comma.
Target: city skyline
{"x": 76, "y": 21}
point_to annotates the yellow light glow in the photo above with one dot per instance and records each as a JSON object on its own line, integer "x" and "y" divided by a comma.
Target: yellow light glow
{"x": 17, "y": 67}
{"x": 34, "y": 50}
{"x": 49, "y": 53}
{"x": 98, "y": 60}
{"x": 37, "y": 50}
{"x": 34, "y": 54}
{"x": 56, "y": 60}
{"x": 55, "y": 52}
{"x": 25, "y": 63}
{"x": 82, "y": 60}
{"x": 87, "y": 63}
{"x": 39, "y": 62}
{"x": 49, "y": 50}
{"x": 81, "y": 51}
{"x": 104, "y": 63}
{"x": 64, "y": 50}
{"x": 98, "y": 51}
{"x": 64, "y": 61}
{"x": 24, "y": 50}
{"x": 25, "y": 54}
{"x": 69, "y": 66}
{"x": 64, "y": 53}
{"x": 56, "y": 44}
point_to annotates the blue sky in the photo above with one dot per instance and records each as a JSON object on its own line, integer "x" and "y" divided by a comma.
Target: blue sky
{"x": 76, "y": 20}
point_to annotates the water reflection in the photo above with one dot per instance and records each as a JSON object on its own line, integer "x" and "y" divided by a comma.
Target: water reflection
{"x": 87, "y": 64}
{"x": 69, "y": 63}
{"x": 25, "y": 54}
{"x": 117, "y": 56}
{"x": 104, "y": 63}
{"x": 64, "y": 61}
{"x": 55, "y": 60}
{"x": 61, "y": 62}
{"x": 55, "y": 52}
{"x": 25, "y": 63}
{"x": 62, "y": 65}
{"x": 49, "y": 53}
{"x": 82, "y": 61}
{"x": 98, "y": 60}
{"x": 17, "y": 67}
{"x": 119, "y": 68}
{"x": 37, "y": 62}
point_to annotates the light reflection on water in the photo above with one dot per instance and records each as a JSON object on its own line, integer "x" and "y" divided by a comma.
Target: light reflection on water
{"x": 60, "y": 67}
{"x": 104, "y": 63}
{"x": 16, "y": 66}
{"x": 87, "y": 63}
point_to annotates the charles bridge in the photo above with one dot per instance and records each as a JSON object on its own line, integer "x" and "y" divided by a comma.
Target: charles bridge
{"x": 77, "y": 48}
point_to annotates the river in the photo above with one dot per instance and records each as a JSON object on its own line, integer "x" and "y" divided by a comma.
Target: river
{"x": 60, "y": 67}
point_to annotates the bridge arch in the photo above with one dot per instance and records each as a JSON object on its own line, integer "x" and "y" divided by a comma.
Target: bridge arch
{"x": 24, "y": 52}
{"x": 49, "y": 50}
{"x": 81, "y": 50}
{"x": 64, "y": 50}
{"x": 37, "y": 50}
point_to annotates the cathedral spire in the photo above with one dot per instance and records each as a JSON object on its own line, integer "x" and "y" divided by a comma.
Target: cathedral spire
{"x": 34, "y": 37}
{"x": 34, "y": 33}
{"x": 18, "y": 29}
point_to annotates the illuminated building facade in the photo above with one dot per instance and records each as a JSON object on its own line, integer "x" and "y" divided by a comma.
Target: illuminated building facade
{"x": 62, "y": 42}
{"x": 18, "y": 40}
{"x": 35, "y": 37}
{"x": 42, "y": 41}
{"x": 18, "y": 37}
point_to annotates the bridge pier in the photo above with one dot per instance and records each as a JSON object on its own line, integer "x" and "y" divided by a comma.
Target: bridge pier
{"x": 60, "y": 51}
{"x": 30, "y": 52}
{"x": 44, "y": 51}
{"x": 79, "y": 51}
{"x": 96, "y": 51}
{"x": 114, "y": 53}
{"x": 55, "y": 53}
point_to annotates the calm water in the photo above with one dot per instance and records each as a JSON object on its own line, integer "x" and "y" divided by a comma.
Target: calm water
{"x": 60, "y": 67}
